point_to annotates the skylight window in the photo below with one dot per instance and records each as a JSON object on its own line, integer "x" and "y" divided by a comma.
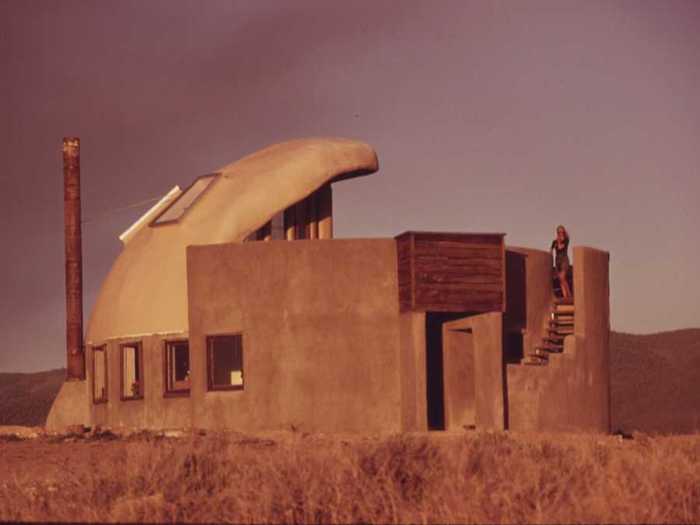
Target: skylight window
{"x": 184, "y": 202}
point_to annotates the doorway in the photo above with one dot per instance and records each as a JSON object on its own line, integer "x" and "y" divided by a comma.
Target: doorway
{"x": 434, "y": 367}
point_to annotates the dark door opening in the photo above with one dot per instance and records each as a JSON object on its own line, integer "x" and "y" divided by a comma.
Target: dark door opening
{"x": 434, "y": 367}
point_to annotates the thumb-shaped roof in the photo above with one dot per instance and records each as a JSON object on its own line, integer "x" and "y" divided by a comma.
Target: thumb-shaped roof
{"x": 146, "y": 289}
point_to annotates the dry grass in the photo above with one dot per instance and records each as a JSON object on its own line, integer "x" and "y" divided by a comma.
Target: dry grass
{"x": 475, "y": 477}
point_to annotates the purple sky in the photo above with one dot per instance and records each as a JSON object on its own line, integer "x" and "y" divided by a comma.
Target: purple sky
{"x": 487, "y": 116}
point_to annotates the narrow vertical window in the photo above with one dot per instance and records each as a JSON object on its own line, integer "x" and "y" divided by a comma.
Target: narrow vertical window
{"x": 225, "y": 362}
{"x": 277, "y": 227}
{"x": 132, "y": 371}
{"x": 99, "y": 374}
{"x": 177, "y": 367}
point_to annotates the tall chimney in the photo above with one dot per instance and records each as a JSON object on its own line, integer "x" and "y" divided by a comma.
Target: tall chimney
{"x": 75, "y": 359}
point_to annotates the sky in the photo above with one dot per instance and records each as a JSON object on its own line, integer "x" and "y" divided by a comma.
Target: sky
{"x": 486, "y": 116}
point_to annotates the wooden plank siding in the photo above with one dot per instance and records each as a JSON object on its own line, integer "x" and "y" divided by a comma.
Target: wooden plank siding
{"x": 451, "y": 272}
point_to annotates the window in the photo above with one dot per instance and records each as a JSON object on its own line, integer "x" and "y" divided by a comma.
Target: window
{"x": 177, "y": 367}
{"x": 132, "y": 371}
{"x": 99, "y": 374}
{"x": 277, "y": 227}
{"x": 225, "y": 362}
{"x": 184, "y": 202}
{"x": 310, "y": 218}
{"x": 273, "y": 230}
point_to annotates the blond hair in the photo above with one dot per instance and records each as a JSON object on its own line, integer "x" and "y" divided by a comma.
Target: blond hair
{"x": 566, "y": 233}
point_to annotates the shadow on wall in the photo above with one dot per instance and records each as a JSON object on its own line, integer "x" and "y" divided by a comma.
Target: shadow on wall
{"x": 434, "y": 366}
{"x": 515, "y": 317}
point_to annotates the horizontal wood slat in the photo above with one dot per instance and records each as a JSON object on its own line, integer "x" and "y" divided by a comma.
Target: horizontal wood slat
{"x": 451, "y": 272}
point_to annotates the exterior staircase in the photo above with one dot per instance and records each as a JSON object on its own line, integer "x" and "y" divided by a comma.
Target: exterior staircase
{"x": 560, "y": 324}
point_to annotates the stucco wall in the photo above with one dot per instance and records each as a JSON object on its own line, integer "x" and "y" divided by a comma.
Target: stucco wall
{"x": 414, "y": 410}
{"x": 460, "y": 378}
{"x": 529, "y": 293}
{"x": 592, "y": 331}
{"x": 571, "y": 393}
{"x": 320, "y": 327}
{"x": 71, "y": 406}
{"x": 154, "y": 410}
{"x": 484, "y": 369}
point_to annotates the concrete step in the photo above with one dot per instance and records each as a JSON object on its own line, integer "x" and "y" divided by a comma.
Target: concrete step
{"x": 541, "y": 353}
{"x": 533, "y": 360}
{"x": 562, "y": 315}
{"x": 554, "y": 338}
{"x": 561, "y": 330}
{"x": 562, "y": 319}
{"x": 562, "y": 300}
{"x": 561, "y": 322}
{"x": 551, "y": 348}
{"x": 564, "y": 308}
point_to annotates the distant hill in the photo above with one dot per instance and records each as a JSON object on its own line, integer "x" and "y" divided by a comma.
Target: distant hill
{"x": 655, "y": 381}
{"x": 25, "y": 399}
{"x": 655, "y": 385}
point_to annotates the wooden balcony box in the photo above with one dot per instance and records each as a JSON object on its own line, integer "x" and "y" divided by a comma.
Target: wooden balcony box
{"x": 451, "y": 272}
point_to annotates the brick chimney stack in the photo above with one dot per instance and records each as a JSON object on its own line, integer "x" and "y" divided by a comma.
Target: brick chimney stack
{"x": 75, "y": 358}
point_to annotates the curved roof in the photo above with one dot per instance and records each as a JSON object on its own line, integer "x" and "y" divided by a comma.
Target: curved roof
{"x": 146, "y": 289}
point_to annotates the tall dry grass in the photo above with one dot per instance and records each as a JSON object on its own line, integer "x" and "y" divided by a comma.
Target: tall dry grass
{"x": 476, "y": 477}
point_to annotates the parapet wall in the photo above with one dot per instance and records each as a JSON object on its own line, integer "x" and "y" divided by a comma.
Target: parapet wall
{"x": 571, "y": 393}
{"x": 592, "y": 331}
{"x": 529, "y": 293}
{"x": 320, "y": 327}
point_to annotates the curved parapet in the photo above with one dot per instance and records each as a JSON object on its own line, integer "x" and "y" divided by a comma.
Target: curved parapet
{"x": 571, "y": 393}
{"x": 146, "y": 289}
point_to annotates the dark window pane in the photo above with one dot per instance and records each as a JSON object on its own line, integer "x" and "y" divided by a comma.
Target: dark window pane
{"x": 177, "y": 366}
{"x": 182, "y": 361}
{"x": 277, "y": 227}
{"x": 226, "y": 361}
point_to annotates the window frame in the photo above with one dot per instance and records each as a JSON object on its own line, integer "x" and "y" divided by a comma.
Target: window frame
{"x": 178, "y": 392}
{"x": 139, "y": 358}
{"x": 155, "y": 222}
{"x": 211, "y": 387}
{"x": 100, "y": 348}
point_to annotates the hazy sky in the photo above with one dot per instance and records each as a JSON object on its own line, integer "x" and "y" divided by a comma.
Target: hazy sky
{"x": 487, "y": 116}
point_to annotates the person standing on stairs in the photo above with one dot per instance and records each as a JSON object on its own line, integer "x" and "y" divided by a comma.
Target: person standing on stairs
{"x": 560, "y": 245}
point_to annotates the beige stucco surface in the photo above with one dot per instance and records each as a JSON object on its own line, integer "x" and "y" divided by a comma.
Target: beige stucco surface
{"x": 154, "y": 410}
{"x": 320, "y": 327}
{"x": 459, "y": 378}
{"x": 71, "y": 406}
{"x": 572, "y": 392}
{"x": 485, "y": 372}
{"x": 145, "y": 291}
{"x": 536, "y": 288}
{"x": 414, "y": 409}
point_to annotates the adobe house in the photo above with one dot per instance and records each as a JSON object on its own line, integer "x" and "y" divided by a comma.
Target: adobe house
{"x": 232, "y": 305}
